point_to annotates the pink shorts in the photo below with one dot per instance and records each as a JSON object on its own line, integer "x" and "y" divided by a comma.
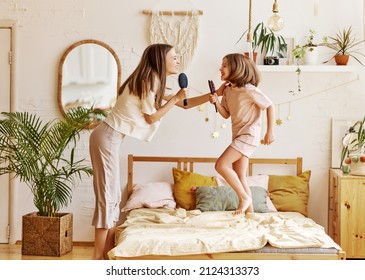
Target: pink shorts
{"x": 241, "y": 146}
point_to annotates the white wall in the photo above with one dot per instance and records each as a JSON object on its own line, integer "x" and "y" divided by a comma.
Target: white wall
{"x": 47, "y": 27}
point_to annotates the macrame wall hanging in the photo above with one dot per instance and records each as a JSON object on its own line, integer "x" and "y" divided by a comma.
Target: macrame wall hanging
{"x": 177, "y": 28}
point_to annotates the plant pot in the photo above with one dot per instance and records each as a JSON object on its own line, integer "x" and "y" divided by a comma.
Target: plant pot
{"x": 254, "y": 55}
{"x": 311, "y": 56}
{"x": 342, "y": 59}
{"x": 47, "y": 236}
{"x": 357, "y": 165}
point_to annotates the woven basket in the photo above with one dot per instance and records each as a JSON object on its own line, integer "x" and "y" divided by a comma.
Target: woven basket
{"x": 47, "y": 236}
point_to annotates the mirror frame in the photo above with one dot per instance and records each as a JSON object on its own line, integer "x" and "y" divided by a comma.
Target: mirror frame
{"x": 63, "y": 58}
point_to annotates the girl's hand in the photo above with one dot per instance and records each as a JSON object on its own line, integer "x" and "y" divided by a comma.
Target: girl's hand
{"x": 213, "y": 98}
{"x": 220, "y": 90}
{"x": 268, "y": 139}
{"x": 182, "y": 94}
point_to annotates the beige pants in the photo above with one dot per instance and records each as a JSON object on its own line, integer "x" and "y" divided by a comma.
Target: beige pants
{"x": 104, "y": 148}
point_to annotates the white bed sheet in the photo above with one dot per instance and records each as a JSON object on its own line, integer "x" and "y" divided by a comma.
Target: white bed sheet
{"x": 180, "y": 232}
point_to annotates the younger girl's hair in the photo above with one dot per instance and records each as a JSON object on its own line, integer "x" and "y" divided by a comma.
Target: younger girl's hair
{"x": 243, "y": 70}
{"x": 150, "y": 74}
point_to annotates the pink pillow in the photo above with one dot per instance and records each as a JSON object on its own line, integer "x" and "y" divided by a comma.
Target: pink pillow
{"x": 254, "y": 181}
{"x": 151, "y": 195}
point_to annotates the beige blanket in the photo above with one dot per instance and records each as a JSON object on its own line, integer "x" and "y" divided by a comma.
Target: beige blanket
{"x": 181, "y": 232}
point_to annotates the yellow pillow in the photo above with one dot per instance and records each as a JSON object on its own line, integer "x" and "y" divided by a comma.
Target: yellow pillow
{"x": 184, "y": 180}
{"x": 290, "y": 193}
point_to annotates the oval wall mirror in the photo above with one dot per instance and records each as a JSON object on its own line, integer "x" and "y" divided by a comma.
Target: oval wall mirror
{"x": 89, "y": 75}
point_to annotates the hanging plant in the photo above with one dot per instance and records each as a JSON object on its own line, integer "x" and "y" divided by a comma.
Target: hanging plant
{"x": 298, "y": 53}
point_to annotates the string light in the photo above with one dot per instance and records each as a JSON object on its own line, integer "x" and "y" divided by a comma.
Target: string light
{"x": 289, "y": 114}
{"x": 279, "y": 121}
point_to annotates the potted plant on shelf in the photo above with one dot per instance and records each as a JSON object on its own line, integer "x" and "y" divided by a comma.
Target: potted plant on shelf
{"x": 254, "y": 41}
{"x": 43, "y": 157}
{"x": 305, "y": 54}
{"x": 268, "y": 42}
{"x": 345, "y": 45}
{"x": 311, "y": 49}
{"x": 353, "y": 151}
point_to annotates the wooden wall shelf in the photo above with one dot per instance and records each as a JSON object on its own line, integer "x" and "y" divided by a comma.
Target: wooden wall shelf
{"x": 309, "y": 68}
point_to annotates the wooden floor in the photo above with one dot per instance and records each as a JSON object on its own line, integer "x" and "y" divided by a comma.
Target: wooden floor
{"x": 14, "y": 252}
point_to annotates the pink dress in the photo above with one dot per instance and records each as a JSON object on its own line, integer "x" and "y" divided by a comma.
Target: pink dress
{"x": 245, "y": 105}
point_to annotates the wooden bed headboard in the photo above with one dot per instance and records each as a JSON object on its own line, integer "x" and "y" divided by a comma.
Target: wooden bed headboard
{"x": 187, "y": 164}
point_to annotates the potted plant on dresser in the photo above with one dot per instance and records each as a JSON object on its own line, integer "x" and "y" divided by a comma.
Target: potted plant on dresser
{"x": 43, "y": 157}
{"x": 353, "y": 151}
{"x": 345, "y": 45}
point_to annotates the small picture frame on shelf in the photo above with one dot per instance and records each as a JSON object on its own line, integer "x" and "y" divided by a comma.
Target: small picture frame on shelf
{"x": 289, "y": 58}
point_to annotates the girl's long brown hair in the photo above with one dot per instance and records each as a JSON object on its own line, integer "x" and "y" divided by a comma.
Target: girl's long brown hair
{"x": 243, "y": 70}
{"x": 150, "y": 74}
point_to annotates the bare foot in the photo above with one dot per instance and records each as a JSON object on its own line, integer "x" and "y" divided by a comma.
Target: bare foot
{"x": 250, "y": 209}
{"x": 242, "y": 206}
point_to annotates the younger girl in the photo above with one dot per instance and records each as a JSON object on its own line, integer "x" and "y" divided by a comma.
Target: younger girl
{"x": 244, "y": 103}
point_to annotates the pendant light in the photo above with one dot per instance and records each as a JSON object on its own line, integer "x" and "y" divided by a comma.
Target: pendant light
{"x": 276, "y": 23}
{"x": 249, "y": 33}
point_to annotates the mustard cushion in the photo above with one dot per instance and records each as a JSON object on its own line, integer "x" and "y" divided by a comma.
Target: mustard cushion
{"x": 183, "y": 181}
{"x": 290, "y": 193}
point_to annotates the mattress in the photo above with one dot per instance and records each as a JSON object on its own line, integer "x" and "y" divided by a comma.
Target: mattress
{"x": 177, "y": 232}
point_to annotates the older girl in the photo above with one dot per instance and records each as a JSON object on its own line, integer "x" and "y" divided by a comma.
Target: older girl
{"x": 137, "y": 113}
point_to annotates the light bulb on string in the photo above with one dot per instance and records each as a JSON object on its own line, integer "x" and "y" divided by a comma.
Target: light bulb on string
{"x": 249, "y": 37}
{"x": 275, "y": 23}
{"x": 249, "y": 43}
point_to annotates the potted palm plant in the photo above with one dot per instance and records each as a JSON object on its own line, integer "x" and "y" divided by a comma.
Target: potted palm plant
{"x": 345, "y": 45}
{"x": 43, "y": 157}
{"x": 353, "y": 151}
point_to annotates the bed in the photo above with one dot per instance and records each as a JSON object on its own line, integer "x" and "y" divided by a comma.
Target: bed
{"x": 191, "y": 216}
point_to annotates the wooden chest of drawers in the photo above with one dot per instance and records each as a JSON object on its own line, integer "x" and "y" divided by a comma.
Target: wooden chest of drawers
{"x": 346, "y": 212}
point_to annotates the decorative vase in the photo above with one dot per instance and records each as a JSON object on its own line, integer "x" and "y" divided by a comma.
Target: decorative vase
{"x": 342, "y": 59}
{"x": 47, "y": 236}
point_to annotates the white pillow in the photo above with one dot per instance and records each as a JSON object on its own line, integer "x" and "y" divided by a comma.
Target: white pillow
{"x": 253, "y": 181}
{"x": 151, "y": 195}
